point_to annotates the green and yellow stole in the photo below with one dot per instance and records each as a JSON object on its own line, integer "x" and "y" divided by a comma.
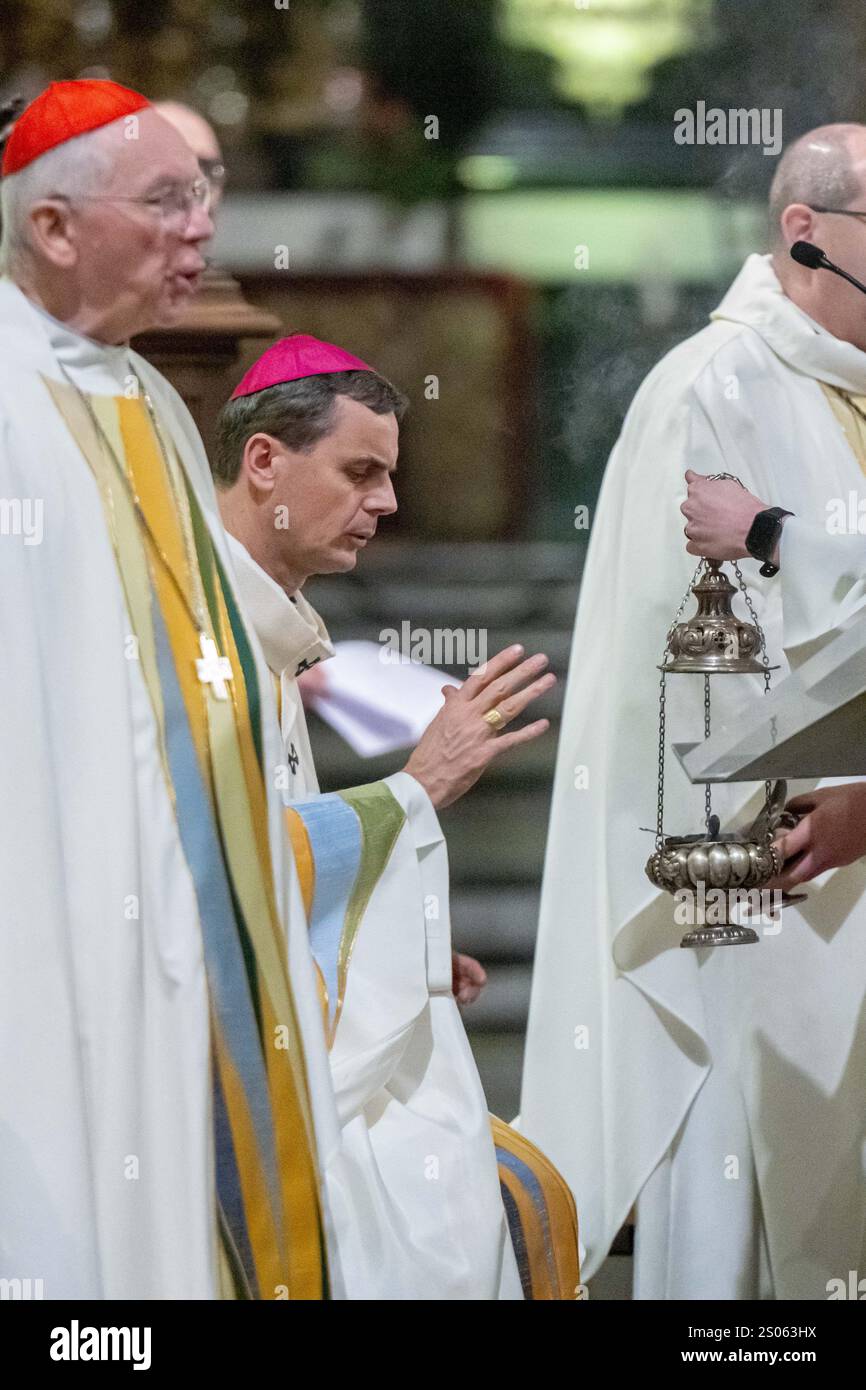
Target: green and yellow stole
{"x": 268, "y": 1204}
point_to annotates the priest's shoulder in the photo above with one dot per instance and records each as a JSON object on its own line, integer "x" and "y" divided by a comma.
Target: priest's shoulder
{"x": 162, "y": 388}
{"x": 154, "y": 379}
{"x": 720, "y": 349}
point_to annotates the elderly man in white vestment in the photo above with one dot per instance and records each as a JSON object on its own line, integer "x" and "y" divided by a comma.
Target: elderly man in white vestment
{"x": 170, "y": 1129}
{"x": 723, "y": 1089}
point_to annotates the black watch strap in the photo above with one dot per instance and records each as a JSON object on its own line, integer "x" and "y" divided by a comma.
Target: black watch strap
{"x": 763, "y": 535}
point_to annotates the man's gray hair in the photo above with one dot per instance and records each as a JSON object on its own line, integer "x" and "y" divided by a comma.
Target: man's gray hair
{"x": 298, "y": 413}
{"x": 818, "y": 169}
{"x": 77, "y": 167}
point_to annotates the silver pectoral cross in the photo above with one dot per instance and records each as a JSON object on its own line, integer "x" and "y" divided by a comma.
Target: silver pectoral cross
{"x": 213, "y": 670}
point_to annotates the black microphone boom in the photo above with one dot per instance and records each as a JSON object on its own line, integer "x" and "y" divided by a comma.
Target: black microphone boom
{"x": 814, "y": 259}
{"x": 808, "y": 255}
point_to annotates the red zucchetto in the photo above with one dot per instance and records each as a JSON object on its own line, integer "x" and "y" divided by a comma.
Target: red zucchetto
{"x": 293, "y": 358}
{"x": 63, "y": 111}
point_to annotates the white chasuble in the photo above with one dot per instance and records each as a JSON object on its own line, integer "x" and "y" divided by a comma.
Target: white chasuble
{"x": 418, "y": 1209}
{"x": 724, "y": 1088}
{"x": 109, "y": 1165}
{"x": 823, "y": 566}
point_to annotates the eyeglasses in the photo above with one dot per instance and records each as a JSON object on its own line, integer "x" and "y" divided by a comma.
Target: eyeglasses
{"x": 840, "y": 212}
{"x": 174, "y": 207}
{"x": 213, "y": 170}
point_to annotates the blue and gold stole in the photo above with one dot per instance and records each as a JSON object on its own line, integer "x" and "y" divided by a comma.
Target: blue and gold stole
{"x": 268, "y": 1216}
{"x": 542, "y": 1218}
{"x": 342, "y": 842}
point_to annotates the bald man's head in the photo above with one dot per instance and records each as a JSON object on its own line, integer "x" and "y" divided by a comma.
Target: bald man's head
{"x": 824, "y": 168}
{"x": 201, "y": 137}
{"x": 198, "y": 133}
{"x": 819, "y": 196}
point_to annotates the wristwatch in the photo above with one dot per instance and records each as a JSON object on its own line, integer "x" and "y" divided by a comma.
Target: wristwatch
{"x": 763, "y": 534}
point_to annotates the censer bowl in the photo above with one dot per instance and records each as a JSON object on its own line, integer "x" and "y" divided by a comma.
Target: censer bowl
{"x": 726, "y": 864}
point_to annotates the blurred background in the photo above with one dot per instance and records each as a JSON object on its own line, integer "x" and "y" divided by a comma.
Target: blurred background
{"x": 484, "y": 199}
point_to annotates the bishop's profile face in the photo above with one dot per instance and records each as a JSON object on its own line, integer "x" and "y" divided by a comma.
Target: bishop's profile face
{"x": 138, "y": 239}
{"x": 335, "y": 494}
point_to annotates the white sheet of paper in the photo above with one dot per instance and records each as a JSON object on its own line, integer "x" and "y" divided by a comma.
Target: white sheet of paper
{"x": 377, "y": 705}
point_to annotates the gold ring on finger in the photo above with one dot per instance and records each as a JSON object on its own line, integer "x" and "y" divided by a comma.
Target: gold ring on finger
{"x": 494, "y": 718}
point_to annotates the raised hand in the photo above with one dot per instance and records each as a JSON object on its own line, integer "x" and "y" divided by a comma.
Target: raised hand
{"x": 464, "y": 737}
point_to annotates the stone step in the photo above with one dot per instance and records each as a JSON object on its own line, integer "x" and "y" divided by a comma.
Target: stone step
{"x": 613, "y": 1281}
{"x": 504, "y": 1003}
{"x": 495, "y": 924}
{"x": 542, "y": 562}
{"x": 497, "y": 840}
{"x": 455, "y": 604}
{"x": 514, "y": 592}
{"x": 499, "y": 1058}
